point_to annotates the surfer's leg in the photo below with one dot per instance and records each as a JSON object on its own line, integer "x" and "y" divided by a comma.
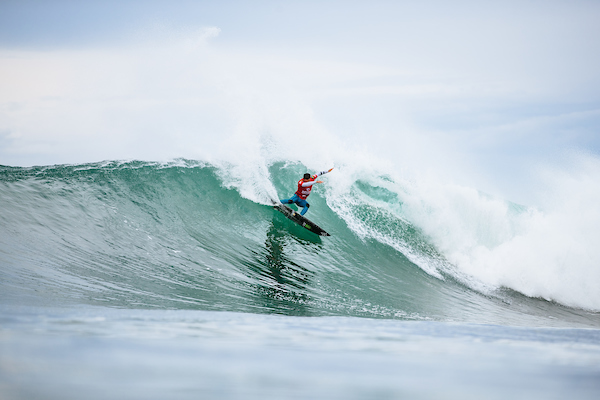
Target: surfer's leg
{"x": 304, "y": 204}
{"x": 293, "y": 199}
{"x": 288, "y": 201}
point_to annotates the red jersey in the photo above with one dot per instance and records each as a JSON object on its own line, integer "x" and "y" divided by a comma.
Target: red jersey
{"x": 304, "y": 191}
{"x": 304, "y": 187}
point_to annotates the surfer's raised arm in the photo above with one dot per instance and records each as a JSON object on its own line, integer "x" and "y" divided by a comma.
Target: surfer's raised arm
{"x": 315, "y": 176}
{"x": 323, "y": 172}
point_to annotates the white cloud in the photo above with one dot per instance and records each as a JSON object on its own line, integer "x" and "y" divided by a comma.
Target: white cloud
{"x": 461, "y": 89}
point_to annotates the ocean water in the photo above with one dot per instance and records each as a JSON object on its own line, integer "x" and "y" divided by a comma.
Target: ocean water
{"x": 140, "y": 280}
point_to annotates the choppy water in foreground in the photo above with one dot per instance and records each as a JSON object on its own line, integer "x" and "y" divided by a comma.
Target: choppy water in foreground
{"x": 149, "y": 354}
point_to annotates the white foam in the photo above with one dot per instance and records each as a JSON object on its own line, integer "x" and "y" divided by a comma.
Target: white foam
{"x": 550, "y": 252}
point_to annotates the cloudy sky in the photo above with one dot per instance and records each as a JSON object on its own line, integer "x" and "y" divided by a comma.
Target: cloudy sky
{"x": 486, "y": 90}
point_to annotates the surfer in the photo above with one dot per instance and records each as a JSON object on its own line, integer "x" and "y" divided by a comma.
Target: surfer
{"x": 304, "y": 187}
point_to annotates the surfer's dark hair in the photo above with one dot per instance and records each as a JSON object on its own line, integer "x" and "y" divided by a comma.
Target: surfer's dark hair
{"x": 307, "y": 176}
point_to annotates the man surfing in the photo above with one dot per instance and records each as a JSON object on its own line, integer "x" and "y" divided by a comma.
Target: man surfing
{"x": 304, "y": 187}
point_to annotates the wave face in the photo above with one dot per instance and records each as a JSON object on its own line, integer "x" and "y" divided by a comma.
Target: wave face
{"x": 181, "y": 235}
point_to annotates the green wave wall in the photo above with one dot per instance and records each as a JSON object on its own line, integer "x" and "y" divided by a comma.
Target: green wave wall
{"x": 173, "y": 236}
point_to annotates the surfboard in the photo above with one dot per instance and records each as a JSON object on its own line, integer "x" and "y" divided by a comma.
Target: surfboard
{"x": 300, "y": 219}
